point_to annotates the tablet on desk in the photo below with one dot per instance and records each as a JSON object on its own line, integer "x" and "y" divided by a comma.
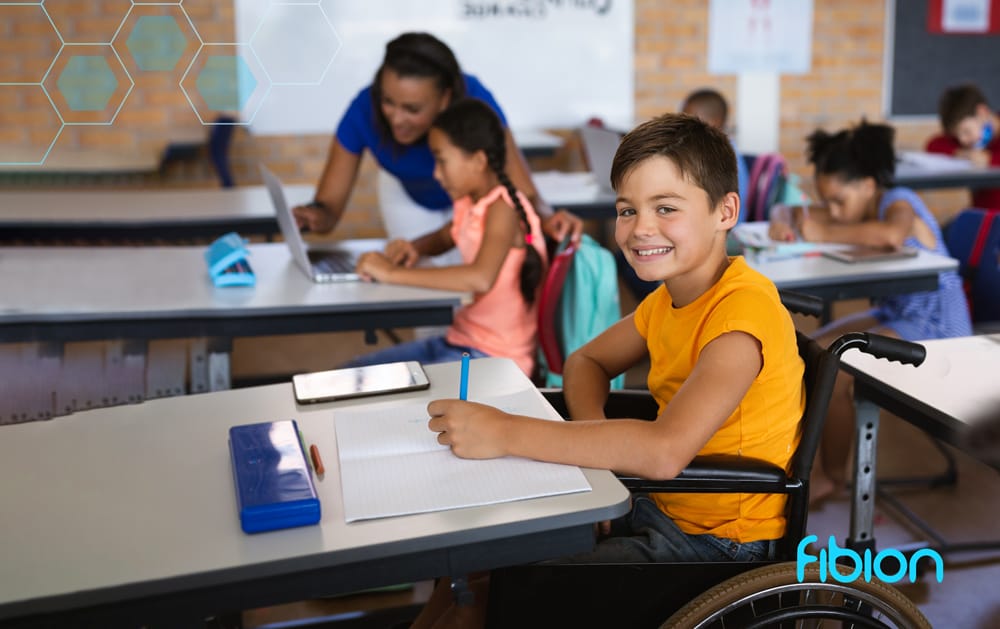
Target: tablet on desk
{"x": 351, "y": 382}
{"x": 862, "y": 253}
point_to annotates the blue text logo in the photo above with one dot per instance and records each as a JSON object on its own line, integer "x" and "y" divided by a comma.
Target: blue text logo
{"x": 866, "y": 566}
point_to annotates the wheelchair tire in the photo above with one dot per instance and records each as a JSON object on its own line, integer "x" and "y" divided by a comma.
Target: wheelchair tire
{"x": 772, "y": 596}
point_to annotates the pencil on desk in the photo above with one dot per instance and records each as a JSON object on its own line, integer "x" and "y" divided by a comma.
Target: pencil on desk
{"x": 463, "y": 383}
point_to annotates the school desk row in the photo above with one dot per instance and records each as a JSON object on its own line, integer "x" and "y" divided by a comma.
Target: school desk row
{"x": 165, "y": 215}
{"x": 54, "y": 296}
{"x": 126, "y": 516}
{"x": 134, "y": 295}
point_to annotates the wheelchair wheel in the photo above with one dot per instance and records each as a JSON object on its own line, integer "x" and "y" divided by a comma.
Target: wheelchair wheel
{"x": 772, "y": 596}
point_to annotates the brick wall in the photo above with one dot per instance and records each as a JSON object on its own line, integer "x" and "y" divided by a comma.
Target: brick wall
{"x": 670, "y": 60}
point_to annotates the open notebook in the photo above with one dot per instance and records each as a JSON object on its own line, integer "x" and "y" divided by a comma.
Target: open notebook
{"x": 391, "y": 464}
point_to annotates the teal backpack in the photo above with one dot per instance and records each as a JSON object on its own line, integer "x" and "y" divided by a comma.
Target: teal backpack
{"x": 588, "y": 304}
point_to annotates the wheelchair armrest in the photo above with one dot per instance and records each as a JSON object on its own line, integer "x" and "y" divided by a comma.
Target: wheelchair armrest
{"x": 718, "y": 475}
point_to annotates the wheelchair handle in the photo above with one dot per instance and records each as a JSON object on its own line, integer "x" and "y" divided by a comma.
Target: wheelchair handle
{"x": 881, "y": 346}
{"x": 801, "y": 303}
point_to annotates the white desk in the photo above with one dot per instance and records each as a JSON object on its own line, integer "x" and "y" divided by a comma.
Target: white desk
{"x": 929, "y": 171}
{"x": 953, "y": 396}
{"x": 576, "y": 192}
{"x": 127, "y": 516}
{"x": 102, "y": 215}
{"x": 833, "y": 280}
{"x": 536, "y": 142}
{"x": 63, "y": 294}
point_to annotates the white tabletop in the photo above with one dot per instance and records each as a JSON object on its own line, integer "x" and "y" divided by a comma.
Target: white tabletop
{"x": 831, "y": 278}
{"x": 920, "y": 170}
{"x": 118, "y": 503}
{"x": 577, "y": 192}
{"x": 80, "y": 283}
{"x": 958, "y": 381}
{"x": 128, "y": 206}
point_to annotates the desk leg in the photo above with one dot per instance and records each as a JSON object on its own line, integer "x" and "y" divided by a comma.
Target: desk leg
{"x": 209, "y": 364}
{"x": 863, "y": 493}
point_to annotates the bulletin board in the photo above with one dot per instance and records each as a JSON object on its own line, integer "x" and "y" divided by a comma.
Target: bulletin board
{"x": 549, "y": 63}
{"x": 922, "y": 63}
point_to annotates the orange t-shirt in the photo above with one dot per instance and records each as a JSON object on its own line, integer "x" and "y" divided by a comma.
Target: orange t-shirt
{"x": 499, "y": 321}
{"x": 764, "y": 426}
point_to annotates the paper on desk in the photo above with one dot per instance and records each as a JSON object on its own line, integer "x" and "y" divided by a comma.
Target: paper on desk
{"x": 758, "y": 245}
{"x": 391, "y": 464}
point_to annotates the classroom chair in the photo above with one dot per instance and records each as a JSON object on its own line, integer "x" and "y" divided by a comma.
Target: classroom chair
{"x": 644, "y": 595}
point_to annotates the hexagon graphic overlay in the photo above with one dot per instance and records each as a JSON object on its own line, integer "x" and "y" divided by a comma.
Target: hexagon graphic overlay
{"x": 225, "y": 79}
{"x": 154, "y": 40}
{"x": 87, "y": 84}
{"x": 30, "y": 43}
{"x": 300, "y": 60}
{"x": 29, "y": 125}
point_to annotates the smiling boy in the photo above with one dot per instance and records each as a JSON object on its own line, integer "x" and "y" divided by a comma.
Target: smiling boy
{"x": 724, "y": 365}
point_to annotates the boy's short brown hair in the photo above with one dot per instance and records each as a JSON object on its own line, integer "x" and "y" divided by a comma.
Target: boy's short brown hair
{"x": 702, "y": 153}
{"x": 958, "y": 103}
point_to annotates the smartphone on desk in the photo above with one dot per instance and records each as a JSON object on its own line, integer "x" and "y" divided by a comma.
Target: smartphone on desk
{"x": 352, "y": 382}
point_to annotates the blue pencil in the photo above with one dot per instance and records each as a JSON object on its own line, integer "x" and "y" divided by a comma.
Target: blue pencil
{"x": 463, "y": 383}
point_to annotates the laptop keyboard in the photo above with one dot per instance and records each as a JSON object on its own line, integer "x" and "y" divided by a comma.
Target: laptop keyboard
{"x": 335, "y": 263}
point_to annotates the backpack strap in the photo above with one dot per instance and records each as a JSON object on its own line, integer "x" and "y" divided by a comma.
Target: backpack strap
{"x": 981, "y": 236}
{"x": 760, "y": 166}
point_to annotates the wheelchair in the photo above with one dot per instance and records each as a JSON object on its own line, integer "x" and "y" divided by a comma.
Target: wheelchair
{"x": 717, "y": 594}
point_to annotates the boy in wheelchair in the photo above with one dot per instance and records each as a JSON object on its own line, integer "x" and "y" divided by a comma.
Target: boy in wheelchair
{"x": 724, "y": 367}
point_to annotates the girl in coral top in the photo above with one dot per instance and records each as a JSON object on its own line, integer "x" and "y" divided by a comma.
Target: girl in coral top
{"x": 498, "y": 234}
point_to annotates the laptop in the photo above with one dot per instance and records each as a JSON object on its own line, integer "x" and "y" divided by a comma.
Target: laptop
{"x": 323, "y": 264}
{"x": 599, "y": 147}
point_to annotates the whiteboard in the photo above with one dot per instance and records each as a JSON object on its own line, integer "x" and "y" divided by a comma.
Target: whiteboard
{"x": 549, "y": 63}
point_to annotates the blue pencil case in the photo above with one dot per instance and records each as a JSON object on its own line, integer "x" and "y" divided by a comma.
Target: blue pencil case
{"x": 274, "y": 484}
{"x": 227, "y": 262}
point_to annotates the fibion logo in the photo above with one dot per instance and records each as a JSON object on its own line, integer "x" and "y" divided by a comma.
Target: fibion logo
{"x": 834, "y": 562}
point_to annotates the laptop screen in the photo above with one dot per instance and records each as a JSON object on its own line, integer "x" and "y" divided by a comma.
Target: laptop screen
{"x": 599, "y": 146}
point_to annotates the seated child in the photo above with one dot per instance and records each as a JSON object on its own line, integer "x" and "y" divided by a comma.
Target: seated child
{"x": 971, "y": 130}
{"x": 724, "y": 366}
{"x": 500, "y": 239}
{"x": 711, "y": 107}
{"x": 853, "y": 175}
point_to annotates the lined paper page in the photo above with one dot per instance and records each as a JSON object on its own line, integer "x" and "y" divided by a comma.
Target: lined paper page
{"x": 391, "y": 464}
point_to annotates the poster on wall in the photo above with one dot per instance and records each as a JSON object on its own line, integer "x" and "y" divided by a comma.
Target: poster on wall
{"x": 549, "y": 63}
{"x": 963, "y": 17}
{"x": 760, "y": 36}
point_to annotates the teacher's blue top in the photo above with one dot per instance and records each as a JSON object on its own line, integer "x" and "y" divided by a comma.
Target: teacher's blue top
{"x": 413, "y": 165}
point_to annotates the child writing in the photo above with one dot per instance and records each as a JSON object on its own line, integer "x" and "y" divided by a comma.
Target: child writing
{"x": 854, "y": 169}
{"x": 498, "y": 234}
{"x": 724, "y": 365}
{"x": 971, "y": 130}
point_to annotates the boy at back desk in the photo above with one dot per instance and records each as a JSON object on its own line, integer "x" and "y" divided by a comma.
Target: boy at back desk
{"x": 724, "y": 364}
{"x": 972, "y": 131}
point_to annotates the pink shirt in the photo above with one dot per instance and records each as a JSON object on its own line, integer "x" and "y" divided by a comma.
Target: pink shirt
{"x": 497, "y": 322}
